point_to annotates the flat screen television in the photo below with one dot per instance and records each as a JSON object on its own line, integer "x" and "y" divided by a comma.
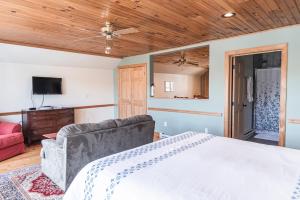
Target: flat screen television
{"x": 46, "y": 85}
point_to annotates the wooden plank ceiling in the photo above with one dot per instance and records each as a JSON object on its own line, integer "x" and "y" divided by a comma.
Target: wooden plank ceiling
{"x": 162, "y": 24}
{"x": 168, "y": 62}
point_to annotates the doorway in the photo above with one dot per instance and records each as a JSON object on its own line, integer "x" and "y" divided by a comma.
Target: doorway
{"x": 132, "y": 90}
{"x": 256, "y": 94}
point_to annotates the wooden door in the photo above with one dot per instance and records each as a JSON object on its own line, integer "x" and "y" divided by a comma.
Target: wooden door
{"x": 237, "y": 104}
{"x": 132, "y": 91}
{"x": 139, "y": 91}
{"x": 124, "y": 92}
{"x": 243, "y": 125}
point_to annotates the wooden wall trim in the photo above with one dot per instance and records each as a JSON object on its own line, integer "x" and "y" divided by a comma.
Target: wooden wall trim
{"x": 215, "y": 114}
{"x": 93, "y": 106}
{"x": 76, "y": 108}
{"x": 10, "y": 113}
{"x": 294, "y": 121}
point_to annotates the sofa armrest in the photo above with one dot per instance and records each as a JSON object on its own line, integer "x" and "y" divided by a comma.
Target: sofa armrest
{"x": 8, "y": 128}
{"x": 53, "y": 162}
{"x": 50, "y": 147}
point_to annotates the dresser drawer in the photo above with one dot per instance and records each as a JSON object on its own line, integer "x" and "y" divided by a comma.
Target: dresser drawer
{"x": 65, "y": 111}
{"x": 43, "y": 131}
{"x": 65, "y": 121}
{"x": 43, "y": 117}
{"x": 37, "y": 124}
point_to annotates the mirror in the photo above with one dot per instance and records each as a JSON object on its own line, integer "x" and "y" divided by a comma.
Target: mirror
{"x": 182, "y": 74}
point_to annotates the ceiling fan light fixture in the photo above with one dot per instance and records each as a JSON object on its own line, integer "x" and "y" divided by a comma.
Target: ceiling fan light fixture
{"x": 107, "y": 51}
{"x": 109, "y": 37}
{"x": 229, "y": 15}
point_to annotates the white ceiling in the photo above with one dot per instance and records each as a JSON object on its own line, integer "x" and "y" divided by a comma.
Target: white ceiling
{"x": 31, "y": 55}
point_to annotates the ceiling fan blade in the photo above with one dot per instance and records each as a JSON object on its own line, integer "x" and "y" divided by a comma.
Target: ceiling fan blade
{"x": 126, "y": 31}
{"x": 204, "y": 66}
{"x": 180, "y": 63}
{"x": 192, "y": 63}
{"x": 87, "y": 38}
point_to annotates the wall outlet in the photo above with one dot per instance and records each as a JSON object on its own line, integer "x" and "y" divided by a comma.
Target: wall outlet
{"x": 163, "y": 135}
{"x": 165, "y": 124}
{"x": 206, "y": 130}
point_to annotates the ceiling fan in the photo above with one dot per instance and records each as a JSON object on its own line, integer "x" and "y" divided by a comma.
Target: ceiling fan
{"x": 109, "y": 33}
{"x": 182, "y": 60}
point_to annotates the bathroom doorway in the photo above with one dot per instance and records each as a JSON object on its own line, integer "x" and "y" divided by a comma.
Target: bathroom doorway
{"x": 257, "y": 96}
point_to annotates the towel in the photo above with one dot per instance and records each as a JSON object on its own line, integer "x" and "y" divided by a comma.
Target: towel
{"x": 250, "y": 89}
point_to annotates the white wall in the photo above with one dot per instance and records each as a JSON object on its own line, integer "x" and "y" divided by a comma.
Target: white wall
{"x": 87, "y": 80}
{"x": 185, "y": 85}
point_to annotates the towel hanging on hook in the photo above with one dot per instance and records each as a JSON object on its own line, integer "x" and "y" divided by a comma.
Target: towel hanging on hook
{"x": 250, "y": 89}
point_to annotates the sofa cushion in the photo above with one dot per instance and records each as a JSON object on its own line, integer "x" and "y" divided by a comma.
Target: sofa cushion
{"x": 7, "y": 128}
{"x": 75, "y": 129}
{"x": 133, "y": 120}
{"x": 10, "y": 139}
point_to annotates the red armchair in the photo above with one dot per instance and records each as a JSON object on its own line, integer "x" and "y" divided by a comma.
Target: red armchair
{"x": 11, "y": 140}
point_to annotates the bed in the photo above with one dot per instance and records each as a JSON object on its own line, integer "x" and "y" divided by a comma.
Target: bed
{"x": 192, "y": 166}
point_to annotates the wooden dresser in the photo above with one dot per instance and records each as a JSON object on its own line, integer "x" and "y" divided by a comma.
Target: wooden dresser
{"x": 36, "y": 123}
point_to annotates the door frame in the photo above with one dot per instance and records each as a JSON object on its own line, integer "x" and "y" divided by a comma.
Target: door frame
{"x": 146, "y": 85}
{"x": 283, "y": 48}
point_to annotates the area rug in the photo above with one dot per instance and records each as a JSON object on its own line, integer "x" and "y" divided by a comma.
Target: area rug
{"x": 28, "y": 184}
{"x": 267, "y": 135}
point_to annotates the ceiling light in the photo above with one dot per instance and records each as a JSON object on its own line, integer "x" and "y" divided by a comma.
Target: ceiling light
{"x": 108, "y": 46}
{"x": 229, "y": 14}
{"x": 107, "y": 49}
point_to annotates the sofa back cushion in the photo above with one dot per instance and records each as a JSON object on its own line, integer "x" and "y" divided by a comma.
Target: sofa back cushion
{"x": 133, "y": 120}
{"x": 76, "y": 129}
{"x": 88, "y": 147}
{"x": 8, "y": 128}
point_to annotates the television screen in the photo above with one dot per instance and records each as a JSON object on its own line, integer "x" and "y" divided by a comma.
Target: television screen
{"x": 46, "y": 85}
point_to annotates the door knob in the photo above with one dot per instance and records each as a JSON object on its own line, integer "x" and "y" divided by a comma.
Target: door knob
{"x": 244, "y": 105}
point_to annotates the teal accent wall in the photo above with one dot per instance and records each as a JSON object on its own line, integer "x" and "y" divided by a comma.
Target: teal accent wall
{"x": 178, "y": 122}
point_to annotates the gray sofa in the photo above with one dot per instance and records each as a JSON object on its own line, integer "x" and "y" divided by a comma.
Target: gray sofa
{"x": 78, "y": 145}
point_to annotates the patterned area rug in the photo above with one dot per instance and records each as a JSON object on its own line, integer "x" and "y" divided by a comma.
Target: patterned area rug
{"x": 28, "y": 183}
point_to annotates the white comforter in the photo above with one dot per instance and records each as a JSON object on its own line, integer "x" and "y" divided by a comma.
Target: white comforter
{"x": 192, "y": 166}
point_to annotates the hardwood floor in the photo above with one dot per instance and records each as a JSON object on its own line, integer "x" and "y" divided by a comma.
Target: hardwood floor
{"x": 30, "y": 157}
